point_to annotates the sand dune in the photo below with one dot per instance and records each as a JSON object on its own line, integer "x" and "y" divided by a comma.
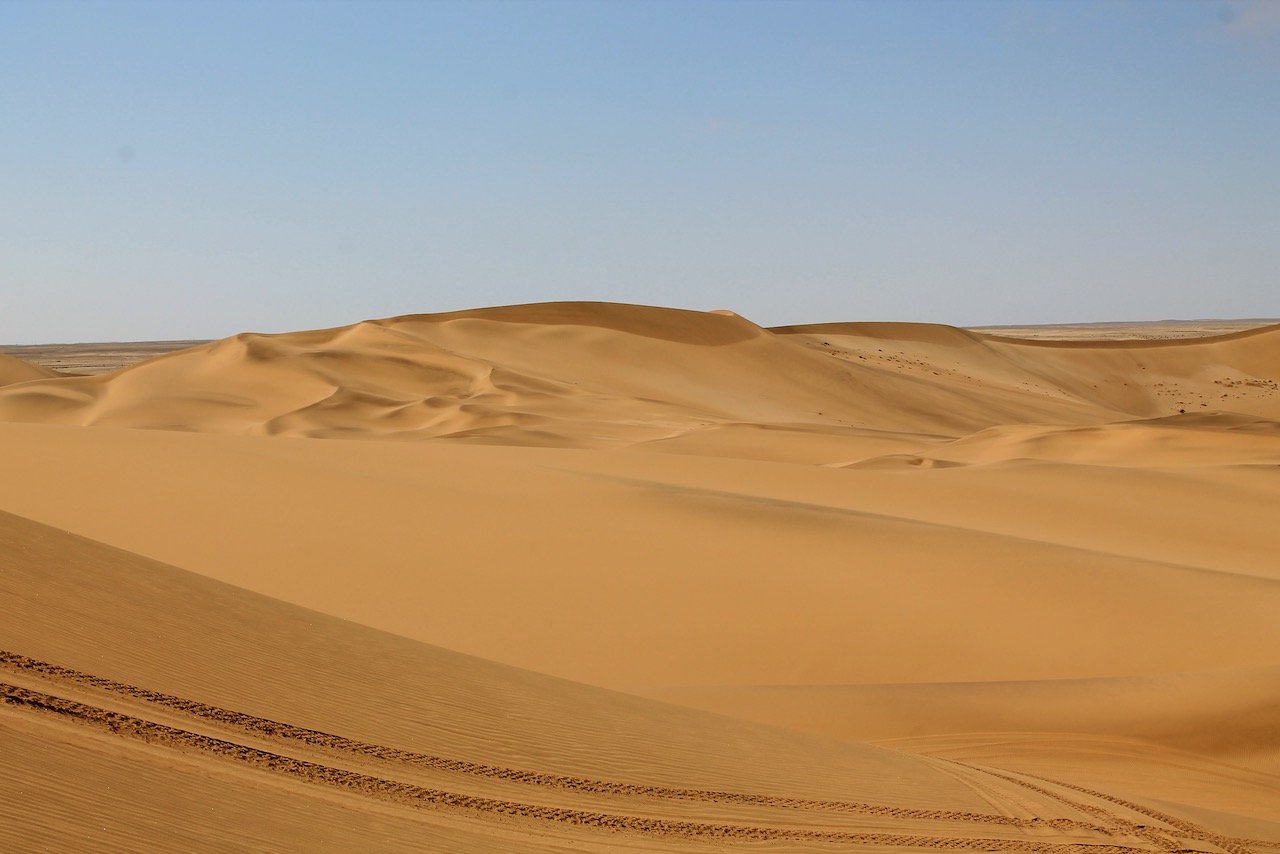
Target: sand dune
{"x": 662, "y": 569}
{"x": 1041, "y": 575}
{"x": 214, "y": 662}
{"x": 566, "y": 375}
{"x": 363, "y": 732}
{"x": 1127, "y": 378}
{"x": 1230, "y": 714}
{"x": 557, "y": 374}
{"x": 14, "y": 370}
{"x": 1216, "y": 438}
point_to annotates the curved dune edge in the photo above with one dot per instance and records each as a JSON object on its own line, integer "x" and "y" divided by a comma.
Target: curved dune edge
{"x": 1230, "y": 714}
{"x": 1190, "y": 439}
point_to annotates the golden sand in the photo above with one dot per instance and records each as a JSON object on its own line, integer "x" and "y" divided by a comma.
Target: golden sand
{"x": 604, "y": 577}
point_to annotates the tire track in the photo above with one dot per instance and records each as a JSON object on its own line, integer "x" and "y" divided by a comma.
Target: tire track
{"x": 315, "y": 738}
{"x": 405, "y": 793}
{"x": 1107, "y": 823}
{"x": 992, "y": 791}
{"x": 1106, "y": 817}
{"x": 1184, "y": 829}
{"x": 1189, "y": 829}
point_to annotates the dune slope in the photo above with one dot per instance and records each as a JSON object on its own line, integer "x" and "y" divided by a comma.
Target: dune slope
{"x": 629, "y": 569}
{"x": 590, "y": 375}
{"x": 186, "y": 688}
{"x": 13, "y": 370}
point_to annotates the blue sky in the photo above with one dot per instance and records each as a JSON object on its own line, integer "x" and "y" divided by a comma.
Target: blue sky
{"x": 173, "y": 170}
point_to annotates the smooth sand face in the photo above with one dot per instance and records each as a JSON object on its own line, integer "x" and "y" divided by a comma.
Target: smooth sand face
{"x": 15, "y": 370}
{"x": 1040, "y": 575}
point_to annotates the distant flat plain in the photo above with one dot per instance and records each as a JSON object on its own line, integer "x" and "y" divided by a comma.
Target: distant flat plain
{"x": 94, "y": 358}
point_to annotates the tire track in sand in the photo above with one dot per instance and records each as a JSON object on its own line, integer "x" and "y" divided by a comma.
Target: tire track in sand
{"x": 1234, "y": 845}
{"x": 1108, "y": 822}
{"x": 315, "y": 738}
{"x": 406, "y": 793}
{"x": 1165, "y": 838}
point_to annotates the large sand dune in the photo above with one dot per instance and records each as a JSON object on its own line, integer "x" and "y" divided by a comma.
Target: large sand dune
{"x": 1042, "y": 574}
{"x": 569, "y": 375}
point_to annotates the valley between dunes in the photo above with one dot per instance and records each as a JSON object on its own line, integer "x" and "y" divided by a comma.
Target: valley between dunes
{"x": 594, "y": 577}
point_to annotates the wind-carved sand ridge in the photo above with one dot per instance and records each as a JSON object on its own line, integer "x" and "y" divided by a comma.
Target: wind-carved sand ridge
{"x": 898, "y": 586}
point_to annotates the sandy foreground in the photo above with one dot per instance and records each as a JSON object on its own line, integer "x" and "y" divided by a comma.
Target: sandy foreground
{"x": 600, "y": 577}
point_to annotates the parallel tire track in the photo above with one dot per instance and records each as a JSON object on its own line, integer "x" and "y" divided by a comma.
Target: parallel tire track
{"x": 315, "y": 738}
{"x": 392, "y": 790}
{"x": 1188, "y": 829}
{"x": 1108, "y": 823}
{"x": 1117, "y": 823}
{"x": 1181, "y": 828}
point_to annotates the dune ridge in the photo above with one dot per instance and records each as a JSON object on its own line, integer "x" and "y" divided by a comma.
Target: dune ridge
{"x": 563, "y": 374}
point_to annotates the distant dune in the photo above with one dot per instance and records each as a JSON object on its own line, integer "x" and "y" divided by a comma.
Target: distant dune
{"x": 565, "y": 374}
{"x": 606, "y": 577}
{"x": 13, "y": 370}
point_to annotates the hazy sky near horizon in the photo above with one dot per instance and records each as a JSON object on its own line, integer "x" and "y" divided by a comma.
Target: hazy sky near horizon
{"x": 192, "y": 170}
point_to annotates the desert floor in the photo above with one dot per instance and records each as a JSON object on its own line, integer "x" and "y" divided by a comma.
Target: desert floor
{"x": 597, "y": 577}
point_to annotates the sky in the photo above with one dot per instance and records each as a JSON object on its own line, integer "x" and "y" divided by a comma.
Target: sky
{"x": 193, "y": 170}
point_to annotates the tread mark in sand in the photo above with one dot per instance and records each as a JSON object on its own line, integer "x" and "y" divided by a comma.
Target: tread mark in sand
{"x": 407, "y": 793}
{"x": 1163, "y": 837}
{"x": 316, "y": 738}
{"x": 315, "y": 772}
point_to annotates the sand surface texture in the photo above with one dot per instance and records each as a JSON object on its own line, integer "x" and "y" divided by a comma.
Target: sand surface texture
{"x": 601, "y": 577}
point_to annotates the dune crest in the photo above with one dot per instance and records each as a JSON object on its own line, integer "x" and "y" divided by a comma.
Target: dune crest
{"x": 567, "y": 374}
